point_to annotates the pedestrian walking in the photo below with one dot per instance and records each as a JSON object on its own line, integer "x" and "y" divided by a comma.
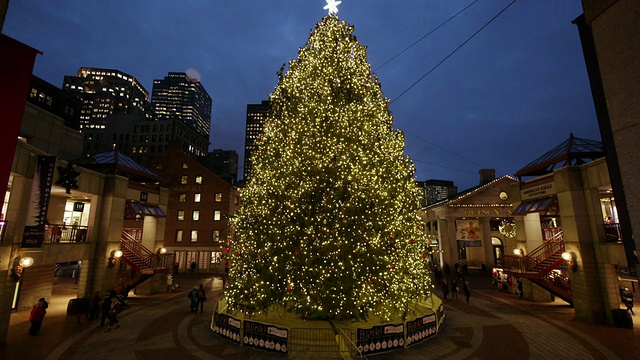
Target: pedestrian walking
{"x": 37, "y": 316}
{"x": 445, "y": 288}
{"x": 193, "y": 299}
{"x": 454, "y": 288}
{"x": 105, "y": 308}
{"x": 520, "y": 291}
{"x": 193, "y": 266}
{"x": 226, "y": 274}
{"x": 176, "y": 266}
{"x": 627, "y": 299}
{"x": 202, "y": 297}
{"x": 466, "y": 288}
{"x": 169, "y": 283}
{"x": 118, "y": 303}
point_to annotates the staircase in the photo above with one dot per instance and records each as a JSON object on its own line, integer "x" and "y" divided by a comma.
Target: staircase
{"x": 538, "y": 267}
{"x": 142, "y": 262}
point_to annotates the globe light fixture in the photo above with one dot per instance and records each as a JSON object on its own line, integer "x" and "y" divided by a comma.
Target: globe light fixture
{"x": 25, "y": 262}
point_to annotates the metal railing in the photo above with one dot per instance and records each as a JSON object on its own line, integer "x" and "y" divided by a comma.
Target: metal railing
{"x": 62, "y": 233}
{"x": 538, "y": 256}
{"x": 139, "y": 257}
{"x": 612, "y": 233}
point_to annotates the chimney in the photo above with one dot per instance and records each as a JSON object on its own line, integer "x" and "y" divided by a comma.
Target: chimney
{"x": 487, "y": 176}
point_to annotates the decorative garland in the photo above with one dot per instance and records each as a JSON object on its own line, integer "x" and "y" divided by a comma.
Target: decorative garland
{"x": 508, "y": 228}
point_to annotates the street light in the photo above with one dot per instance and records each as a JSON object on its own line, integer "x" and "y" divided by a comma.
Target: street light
{"x": 570, "y": 258}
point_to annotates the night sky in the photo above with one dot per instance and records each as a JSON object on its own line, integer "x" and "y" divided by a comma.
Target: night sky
{"x": 514, "y": 91}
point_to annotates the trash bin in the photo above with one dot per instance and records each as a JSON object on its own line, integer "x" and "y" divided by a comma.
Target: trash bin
{"x": 622, "y": 319}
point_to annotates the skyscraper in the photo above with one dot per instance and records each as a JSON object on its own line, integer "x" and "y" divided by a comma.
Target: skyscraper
{"x": 256, "y": 114}
{"x": 178, "y": 96}
{"x": 435, "y": 190}
{"x": 105, "y": 92}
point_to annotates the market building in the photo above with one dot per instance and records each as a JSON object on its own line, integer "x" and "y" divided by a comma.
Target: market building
{"x": 84, "y": 217}
{"x": 569, "y": 242}
{"x": 474, "y": 227}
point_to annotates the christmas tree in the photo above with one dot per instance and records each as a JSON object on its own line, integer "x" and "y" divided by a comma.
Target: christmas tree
{"x": 329, "y": 227}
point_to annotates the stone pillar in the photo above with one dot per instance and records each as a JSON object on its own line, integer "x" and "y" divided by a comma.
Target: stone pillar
{"x": 585, "y": 281}
{"x": 486, "y": 243}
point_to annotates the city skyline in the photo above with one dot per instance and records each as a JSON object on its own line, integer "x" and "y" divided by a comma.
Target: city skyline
{"x": 514, "y": 91}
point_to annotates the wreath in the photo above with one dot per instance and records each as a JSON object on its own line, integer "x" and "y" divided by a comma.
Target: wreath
{"x": 507, "y": 228}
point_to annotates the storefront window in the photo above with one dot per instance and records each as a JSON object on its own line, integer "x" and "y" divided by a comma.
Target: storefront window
{"x": 609, "y": 210}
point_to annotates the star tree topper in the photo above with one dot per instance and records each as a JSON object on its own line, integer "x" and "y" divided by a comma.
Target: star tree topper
{"x": 332, "y": 6}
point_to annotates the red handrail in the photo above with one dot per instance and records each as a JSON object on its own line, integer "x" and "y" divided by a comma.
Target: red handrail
{"x": 539, "y": 255}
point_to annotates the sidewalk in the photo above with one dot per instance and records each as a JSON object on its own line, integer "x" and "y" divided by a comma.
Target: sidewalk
{"x": 494, "y": 325}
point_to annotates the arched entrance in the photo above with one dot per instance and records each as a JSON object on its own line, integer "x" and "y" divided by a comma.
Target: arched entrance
{"x": 498, "y": 251}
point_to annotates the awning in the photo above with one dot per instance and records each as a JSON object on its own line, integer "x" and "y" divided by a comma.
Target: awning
{"x": 136, "y": 208}
{"x": 546, "y": 207}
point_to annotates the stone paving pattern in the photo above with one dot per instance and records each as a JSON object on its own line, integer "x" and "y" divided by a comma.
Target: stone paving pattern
{"x": 493, "y": 325}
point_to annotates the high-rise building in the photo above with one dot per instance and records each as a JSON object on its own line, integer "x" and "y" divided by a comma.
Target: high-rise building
{"x": 178, "y": 96}
{"x": 142, "y": 139}
{"x": 436, "y": 190}
{"x": 51, "y": 98}
{"x": 105, "y": 92}
{"x": 223, "y": 163}
{"x": 256, "y": 114}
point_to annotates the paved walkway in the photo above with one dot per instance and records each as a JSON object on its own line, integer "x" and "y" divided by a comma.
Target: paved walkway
{"x": 494, "y": 325}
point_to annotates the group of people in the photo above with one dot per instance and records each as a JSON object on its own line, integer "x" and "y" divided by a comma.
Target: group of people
{"x": 197, "y": 296}
{"x": 111, "y": 307}
{"x": 456, "y": 283}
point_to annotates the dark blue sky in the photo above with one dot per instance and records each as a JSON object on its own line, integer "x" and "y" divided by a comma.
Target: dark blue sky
{"x": 514, "y": 91}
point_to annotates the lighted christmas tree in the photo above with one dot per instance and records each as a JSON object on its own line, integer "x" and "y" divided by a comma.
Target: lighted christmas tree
{"x": 329, "y": 226}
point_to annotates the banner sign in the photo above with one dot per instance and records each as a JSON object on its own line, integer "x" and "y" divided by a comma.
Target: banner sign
{"x": 421, "y": 329}
{"x": 468, "y": 230}
{"x": 265, "y": 336}
{"x": 469, "y": 243}
{"x": 227, "y": 326}
{"x": 380, "y": 338}
{"x": 32, "y": 236}
{"x": 40, "y": 195}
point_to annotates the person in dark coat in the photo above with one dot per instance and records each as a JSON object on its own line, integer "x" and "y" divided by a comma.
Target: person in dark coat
{"x": 202, "y": 297}
{"x": 445, "y": 288}
{"x": 466, "y": 289}
{"x": 193, "y": 299}
{"x": 105, "y": 307}
{"x": 454, "y": 288}
{"x": 627, "y": 299}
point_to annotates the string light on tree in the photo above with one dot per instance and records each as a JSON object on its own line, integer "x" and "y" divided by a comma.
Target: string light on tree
{"x": 329, "y": 225}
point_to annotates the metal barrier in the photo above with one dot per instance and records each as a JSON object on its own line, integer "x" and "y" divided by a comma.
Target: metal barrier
{"x": 311, "y": 343}
{"x": 62, "y": 233}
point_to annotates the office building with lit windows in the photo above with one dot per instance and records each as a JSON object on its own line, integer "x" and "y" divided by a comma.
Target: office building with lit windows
{"x": 256, "y": 114}
{"x": 223, "y": 163}
{"x": 141, "y": 139}
{"x": 105, "y": 92}
{"x": 435, "y": 190}
{"x": 178, "y": 96}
